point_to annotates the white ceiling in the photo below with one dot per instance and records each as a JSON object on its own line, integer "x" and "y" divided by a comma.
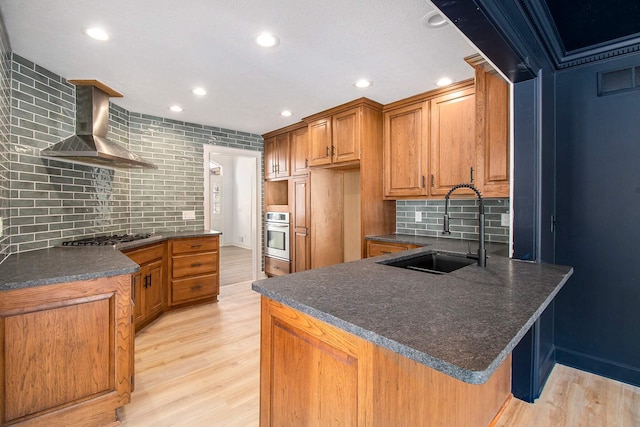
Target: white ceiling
{"x": 160, "y": 49}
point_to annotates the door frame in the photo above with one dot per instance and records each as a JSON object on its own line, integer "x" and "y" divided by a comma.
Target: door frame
{"x": 256, "y": 214}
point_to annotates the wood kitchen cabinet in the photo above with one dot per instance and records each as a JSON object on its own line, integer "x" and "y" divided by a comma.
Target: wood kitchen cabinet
{"x": 276, "y": 267}
{"x": 429, "y": 140}
{"x": 377, "y": 247}
{"x": 149, "y": 288}
{"x": 449, "y": 136}
{"x": 301, "y": 224}
{"x": 492, "y": 129}
{"x": 344, "y": 157}
{"x": 194, "y": 266}
{"x": 299, "y": 151}
{"x": 406, "y": 150}
{"x": 312, "y": 373}
{"x": 453, "y": 141}
{"x": 67, "y": 353}
{"x": 276, "y": 156}
{"x": 335, "y": 136}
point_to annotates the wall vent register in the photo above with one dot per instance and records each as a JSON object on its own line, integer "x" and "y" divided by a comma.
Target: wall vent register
{"x": 616, "y": 81}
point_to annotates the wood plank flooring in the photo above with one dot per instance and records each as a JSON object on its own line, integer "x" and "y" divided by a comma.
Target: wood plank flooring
{"x": 200, "y": 367}
{"x": 235, "y": 265}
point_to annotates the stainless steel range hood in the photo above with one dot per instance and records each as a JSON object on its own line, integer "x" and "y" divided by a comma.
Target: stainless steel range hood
{"x": 90, "y": 144}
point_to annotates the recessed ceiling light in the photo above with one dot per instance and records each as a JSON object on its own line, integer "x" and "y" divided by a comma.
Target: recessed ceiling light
{"x": 362, "y": 83}
{"x": 95, "y": 33}
{"x": 200, "y": 91}
{"x": 434, "y": 19}
{"x": 444, "y": 81}
{"x": 285, "y": 113}
{"x": 267, "y": 40}
{"x": 175, "y": 108}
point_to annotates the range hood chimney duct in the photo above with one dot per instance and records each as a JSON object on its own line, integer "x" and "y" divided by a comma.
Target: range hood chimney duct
{"x": 90, "y": 145}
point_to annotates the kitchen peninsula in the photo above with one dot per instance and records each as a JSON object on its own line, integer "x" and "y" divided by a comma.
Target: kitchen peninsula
{"x": 378, "y": 345}
{"x": 67, "y": 322}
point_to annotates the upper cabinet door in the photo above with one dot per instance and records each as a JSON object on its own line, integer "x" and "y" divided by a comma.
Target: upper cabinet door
{"x": 282, "y": 156}
{"x": 299, "y": 151}
{"x": 492, "y": 101}
{"x": 320, "y": 142}
{"x": 270, "y": 158}
{"x": 453, "y": 141}
{"x": 346, "y": 135}
{"x": 406, "y": 133}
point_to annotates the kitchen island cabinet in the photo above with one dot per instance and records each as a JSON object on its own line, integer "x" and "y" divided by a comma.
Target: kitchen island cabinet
{"x": 360, "y": 383}
{"x": 67, "y": 337}
{"x": 378, "y": 335}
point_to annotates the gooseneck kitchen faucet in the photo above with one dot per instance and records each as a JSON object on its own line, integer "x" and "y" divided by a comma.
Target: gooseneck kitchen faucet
{"x": 482, "y": 252}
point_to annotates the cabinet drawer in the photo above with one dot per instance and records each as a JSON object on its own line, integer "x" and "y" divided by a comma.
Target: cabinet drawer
{"x": 378, "y": 248}
{"x": 191, "y": 265}
{"x": 194, "y": 288}
{"x": 194, "y": 244}
{"x": 276, "y": 267}
{"x": 146, "y": 254}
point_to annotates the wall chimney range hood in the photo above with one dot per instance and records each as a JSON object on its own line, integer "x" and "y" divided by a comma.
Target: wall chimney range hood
{"x": 90, "y": 145}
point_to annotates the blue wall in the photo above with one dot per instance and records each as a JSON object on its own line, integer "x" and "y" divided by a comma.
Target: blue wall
{"x": 597, "y": 324}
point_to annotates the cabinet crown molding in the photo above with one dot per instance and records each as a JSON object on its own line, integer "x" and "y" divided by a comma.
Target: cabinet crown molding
{"x": 429, "y": 95}
{"x": 355, "y": 103}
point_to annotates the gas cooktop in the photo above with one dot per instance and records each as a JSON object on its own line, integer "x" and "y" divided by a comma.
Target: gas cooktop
{"x": 107, "y": 240}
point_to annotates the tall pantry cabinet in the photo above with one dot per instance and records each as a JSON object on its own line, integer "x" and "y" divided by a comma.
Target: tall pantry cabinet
{"x": 334, "y": 193}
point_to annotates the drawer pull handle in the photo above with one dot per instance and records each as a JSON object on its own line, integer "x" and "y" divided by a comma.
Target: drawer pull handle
{"x": 196, "y": 246}
{"x": 196, "y": 264}
{"x": 196, "y": 287}
{"x": 385, "y": 252}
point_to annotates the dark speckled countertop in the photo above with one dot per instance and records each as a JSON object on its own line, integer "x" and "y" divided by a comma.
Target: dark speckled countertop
{"x": 464, "y": 323}
{"x": 70, "y": 264}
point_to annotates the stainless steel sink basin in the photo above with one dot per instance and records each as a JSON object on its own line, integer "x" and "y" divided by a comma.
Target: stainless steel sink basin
{"x": 432, "y": 262}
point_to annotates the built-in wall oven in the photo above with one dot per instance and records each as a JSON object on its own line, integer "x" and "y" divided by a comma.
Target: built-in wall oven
{"x": 277, "y": 235}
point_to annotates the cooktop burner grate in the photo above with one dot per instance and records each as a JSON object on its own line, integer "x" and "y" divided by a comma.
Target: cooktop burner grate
{"x": 107, "y": 240}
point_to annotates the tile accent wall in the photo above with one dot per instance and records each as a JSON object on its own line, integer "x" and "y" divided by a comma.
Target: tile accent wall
{"x": 158, "y": 197}
{"x": 50, "y": 201}
{"x": 463, "y": 214}
{"x": 5, "y": 120}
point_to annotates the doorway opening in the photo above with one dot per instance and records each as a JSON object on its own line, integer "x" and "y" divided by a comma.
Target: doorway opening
{"x": 233, "y": 205}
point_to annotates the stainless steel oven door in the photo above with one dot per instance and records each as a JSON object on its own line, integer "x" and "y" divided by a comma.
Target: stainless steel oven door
{"x": 277, "y": 240}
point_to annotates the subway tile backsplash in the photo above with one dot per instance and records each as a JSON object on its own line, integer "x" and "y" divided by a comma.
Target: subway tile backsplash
{"x": 45, "y": 201}
{"x": 463, "y": 215}
{"x": 5, "y": 124}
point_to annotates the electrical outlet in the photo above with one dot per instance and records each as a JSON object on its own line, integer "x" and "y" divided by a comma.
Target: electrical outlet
{"x": 187, "y": 215}
{"x": 418, "y": 216}
{"x": 504, "y": 220}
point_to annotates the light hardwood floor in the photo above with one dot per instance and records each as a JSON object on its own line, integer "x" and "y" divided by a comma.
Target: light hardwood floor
{"x": 235, "y": 265}
{"x": 200, "y": 367}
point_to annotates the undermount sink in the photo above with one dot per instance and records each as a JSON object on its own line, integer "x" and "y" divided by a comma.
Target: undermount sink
{"x": 432, "y": 262}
